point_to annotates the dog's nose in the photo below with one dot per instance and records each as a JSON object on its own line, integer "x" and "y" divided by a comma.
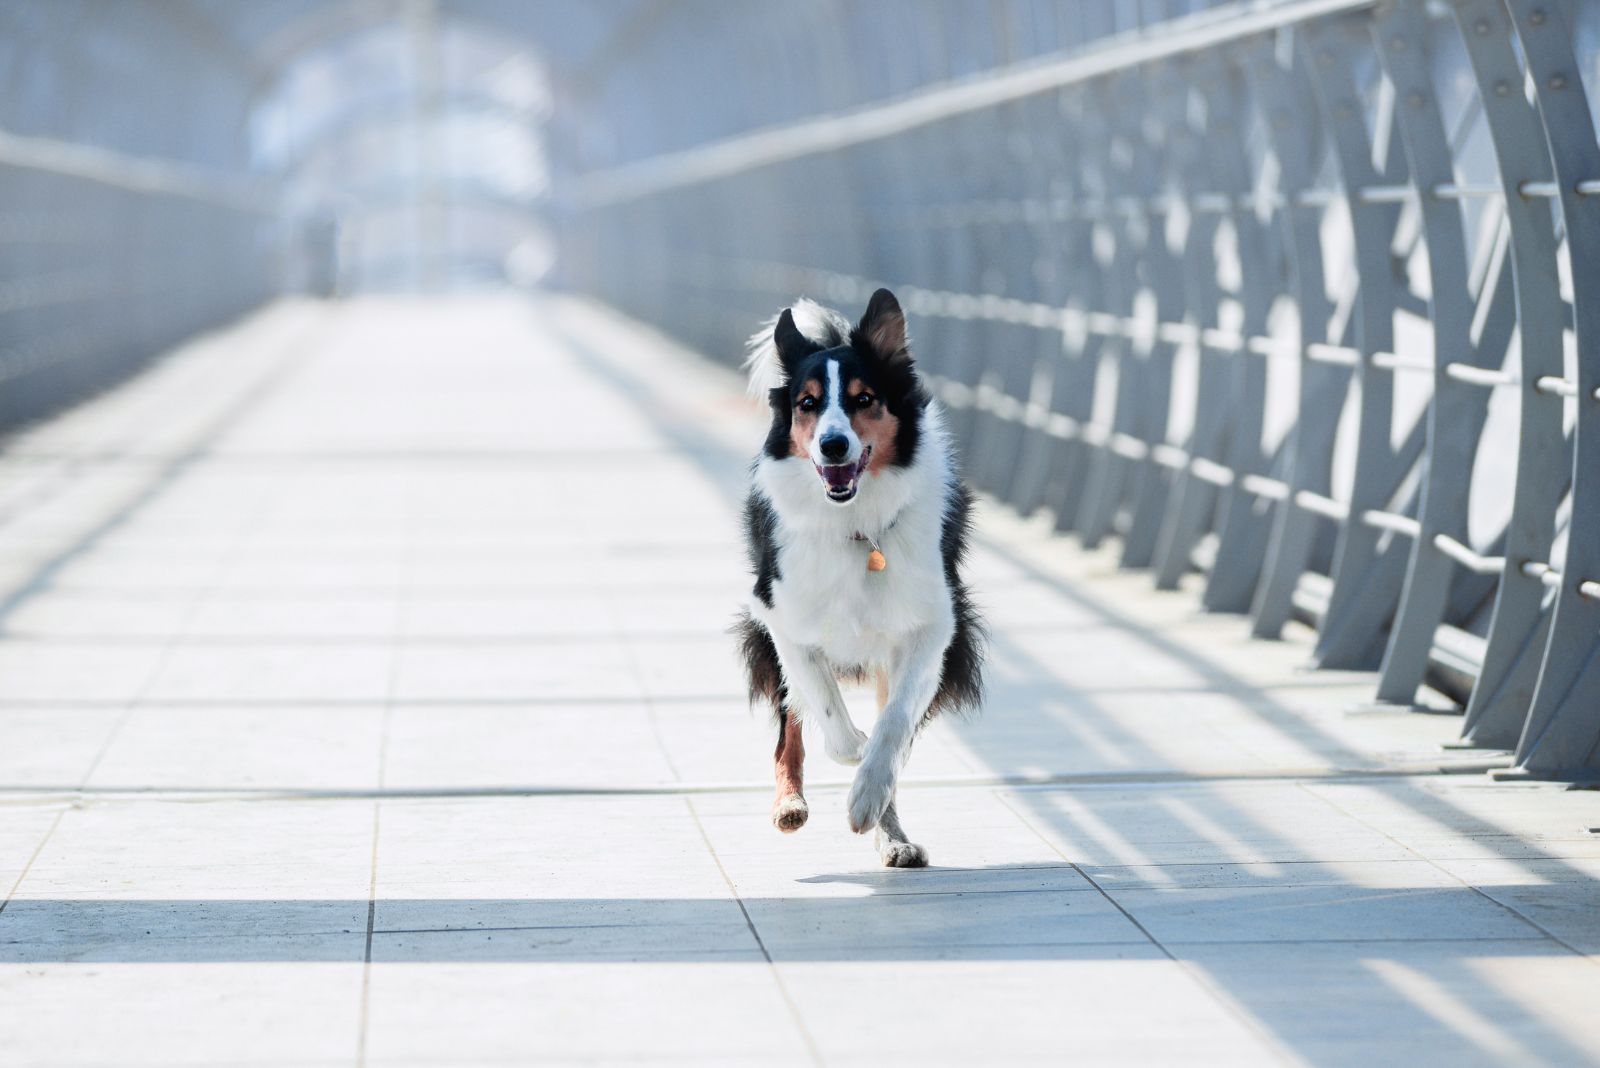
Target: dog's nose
{"x": 835, "y": 447}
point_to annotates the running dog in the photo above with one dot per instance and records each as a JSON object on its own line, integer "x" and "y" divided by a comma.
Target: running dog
{"x": 856, "y": 525}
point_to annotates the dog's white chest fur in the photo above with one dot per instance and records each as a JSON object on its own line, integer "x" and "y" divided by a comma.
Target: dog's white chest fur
{"x": 827, "y": 599}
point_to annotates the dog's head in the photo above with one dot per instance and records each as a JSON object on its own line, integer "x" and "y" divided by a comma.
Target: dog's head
{"x": 851, "y": 410}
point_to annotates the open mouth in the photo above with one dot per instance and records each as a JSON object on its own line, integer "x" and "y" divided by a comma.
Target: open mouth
{"x": 842, "y": 480}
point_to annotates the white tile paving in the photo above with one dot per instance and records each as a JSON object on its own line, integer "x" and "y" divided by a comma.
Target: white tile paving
{"x": 391, "y": 721}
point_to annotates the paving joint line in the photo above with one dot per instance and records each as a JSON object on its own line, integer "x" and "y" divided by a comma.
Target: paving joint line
{"x": 1544, "y": 931}
{"x": 21, "y": 795}
{"x": 11, "y": 892}
{"x": 777, "y": 976}
{"x": 1245, "y": 1019}
{"x": 397, "y": 648}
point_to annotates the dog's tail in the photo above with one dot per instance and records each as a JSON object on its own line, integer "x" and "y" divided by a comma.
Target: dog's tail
{"x": 762, "y": 670}
{"x": 763, "y": 364}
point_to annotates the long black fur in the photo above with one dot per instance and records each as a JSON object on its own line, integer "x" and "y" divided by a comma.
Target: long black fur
{"x": 761, "y": 544}
{"x": 961, "y": 679}
{"x": 763, "y": 673}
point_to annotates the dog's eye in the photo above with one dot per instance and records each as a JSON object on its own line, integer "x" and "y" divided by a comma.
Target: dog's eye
{"x": 864, "y": 400}
{"x": 807, "y": 403}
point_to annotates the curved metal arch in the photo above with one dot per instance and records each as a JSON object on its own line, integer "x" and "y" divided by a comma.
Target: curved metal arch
{"x": 1150, "y": 481}
{"x": 1079, "y": 287}
{"x": 1058, "y": 268}
{"x": 1455, "y": 414}
{"x": 1287, "y": 97}
{"x": 1244, "y": 524}
{"x": 1107, "y": 483}
{"x": 1018, "y": 347}
{"x": 1503, "y": 692}
{"x": 1563, "y": 728}
{"x": 1365, "y": 576}
{"x": 1192, "y": 501}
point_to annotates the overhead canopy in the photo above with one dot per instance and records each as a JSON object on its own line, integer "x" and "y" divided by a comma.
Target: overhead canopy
{"x": 275, "y": 32}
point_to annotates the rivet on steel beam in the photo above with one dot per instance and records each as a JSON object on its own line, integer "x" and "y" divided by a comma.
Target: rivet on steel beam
{"x": 1501, "y": 89}
{"x": 1416, "y": 100}
{"x": 1558, "y": 81}
{"x": 1536, "y": 16}
{"x": 1481, "y": 27}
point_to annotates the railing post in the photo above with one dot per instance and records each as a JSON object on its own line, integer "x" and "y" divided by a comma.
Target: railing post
{"x": 1498, "y": 706}
{"x": 1244, "y": 521}
{"x": 1456, "y": 414}
{"x": 1124, "y": 98}
{"x": 1366, "y": 568}
{"x": 1191, "y": 501}
{"x": 1563, "y": 727}
{"x": 1163, "y": 280}
{"x": 1284, "y": 95}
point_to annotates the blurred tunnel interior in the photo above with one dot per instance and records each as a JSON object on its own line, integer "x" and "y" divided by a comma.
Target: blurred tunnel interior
{"x": 167, "y": 164}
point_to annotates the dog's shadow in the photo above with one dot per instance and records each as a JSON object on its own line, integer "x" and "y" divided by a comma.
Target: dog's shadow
{"x": 936, "y": 879}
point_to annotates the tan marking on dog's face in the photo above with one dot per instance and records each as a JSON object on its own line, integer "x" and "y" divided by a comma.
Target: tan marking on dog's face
{"x": 873, "y": 423}
{"x": 802, "y": 423}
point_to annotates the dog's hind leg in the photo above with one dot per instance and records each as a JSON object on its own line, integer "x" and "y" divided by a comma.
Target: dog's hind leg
{"x": 789, "y": 809}
{"x": 894, "y": 848}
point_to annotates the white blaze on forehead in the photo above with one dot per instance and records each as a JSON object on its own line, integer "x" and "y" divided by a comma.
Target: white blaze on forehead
{"x": 834, "y": 419}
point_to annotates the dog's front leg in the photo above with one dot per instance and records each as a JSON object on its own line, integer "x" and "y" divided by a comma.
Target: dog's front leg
{"x": 812, "y": 686}
{"x": 914, "y": 682}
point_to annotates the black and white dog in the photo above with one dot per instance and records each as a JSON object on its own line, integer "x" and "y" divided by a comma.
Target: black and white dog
{"x": 856, "y": 525}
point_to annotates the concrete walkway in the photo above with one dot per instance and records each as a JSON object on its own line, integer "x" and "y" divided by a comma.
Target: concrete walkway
{"x": 364, "y": 698}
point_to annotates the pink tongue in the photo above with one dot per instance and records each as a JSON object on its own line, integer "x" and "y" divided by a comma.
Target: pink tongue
{"x": 839, "y": 477}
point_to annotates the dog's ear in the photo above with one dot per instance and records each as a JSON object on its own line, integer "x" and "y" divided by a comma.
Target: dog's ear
{"x": 882, "y": 329}
{"x": 792, "y": 345}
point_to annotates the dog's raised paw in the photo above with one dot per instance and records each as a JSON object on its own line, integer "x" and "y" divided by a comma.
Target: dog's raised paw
{"x": 790, "y": 812}
{"x": 851, "y": 753}
{"x": 870, "y": 794}
{"x": 904, "y": 855}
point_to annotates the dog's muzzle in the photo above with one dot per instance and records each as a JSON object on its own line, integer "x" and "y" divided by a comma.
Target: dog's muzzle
{"x": 842, "y": 480}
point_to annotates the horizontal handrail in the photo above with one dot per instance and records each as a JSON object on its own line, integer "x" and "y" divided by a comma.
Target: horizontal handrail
{"x": 138, "y": 174}
{"x": 828, "y": 133}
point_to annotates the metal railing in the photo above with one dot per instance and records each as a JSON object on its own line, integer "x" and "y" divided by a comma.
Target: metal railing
{"x": 1303, "y": 296}
{"x": 108, "y": 259}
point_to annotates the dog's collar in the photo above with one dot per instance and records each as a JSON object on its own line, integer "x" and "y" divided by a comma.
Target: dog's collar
{"x": 875, "y": 558}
